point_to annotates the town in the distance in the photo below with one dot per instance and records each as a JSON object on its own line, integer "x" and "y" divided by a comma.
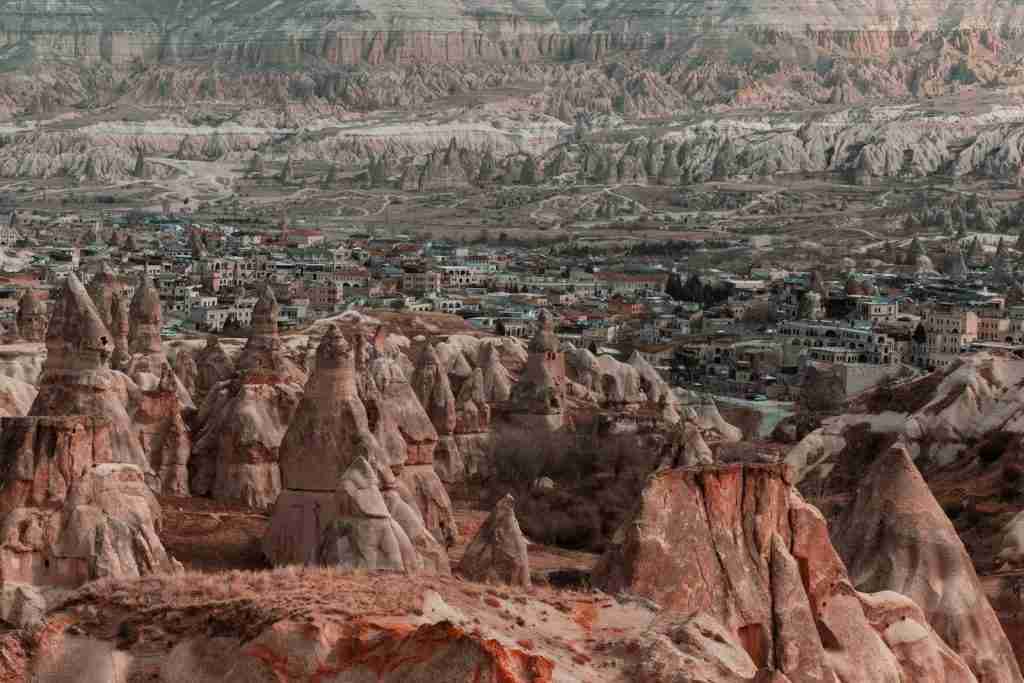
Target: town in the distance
{"x": 517, "y": 341}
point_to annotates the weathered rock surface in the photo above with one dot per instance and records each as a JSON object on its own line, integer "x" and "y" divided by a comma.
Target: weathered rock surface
{"x": 497, "y": 380}
{"x": 498, "y": 552}
{"x": 687, "y": 447}
{"x": 329, "y": 432}
{"x": 213, "y": 365}
{"x": 364, "y": 535}
{"x": 186, "y": 370}
{"x": 158, "y": 407}
{"x": 895, "y": 537}
{"x": 538, "y": 398}
{"x": 946, "y": 415}
{"x": 758, "y": 562}
{"x": 32, "y": 318}
{"x": 396, "y": 415}
{"x": 330, "y": 428}
{"x": 106, "y": 291}
{"x": 68, "y": 512}
{"x": 77, "y": 379}
{"x": 244, "y": 419}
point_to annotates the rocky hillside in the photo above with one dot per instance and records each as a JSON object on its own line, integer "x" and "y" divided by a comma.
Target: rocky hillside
{"x": 263, "y": 32}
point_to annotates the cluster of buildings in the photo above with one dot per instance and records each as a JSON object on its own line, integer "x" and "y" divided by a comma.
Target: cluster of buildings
{"x": 749, "y": 335}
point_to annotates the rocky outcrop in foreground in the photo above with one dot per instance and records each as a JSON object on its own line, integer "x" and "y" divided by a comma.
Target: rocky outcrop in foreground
{"x": 895, "y": 537}
{"x": 738, "y": 546}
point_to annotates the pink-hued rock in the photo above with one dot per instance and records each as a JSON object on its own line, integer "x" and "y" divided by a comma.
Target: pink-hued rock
{"x": 423, "y": 490}
{"x": 157, "y": 408}
{"x": 68, "y": 513}
{"x": 32, "y": 318}
{"x": 107, "y": 294}
{"x": 77, "y": 379}
{"x": 498, "y": 552}
{"x": 330, "y": 428}
{"x": 328, "y": 434}
{"x": 396, "y": 411}
{"x": 364, "y": 535}
{"x": 163, "y": 434}
{"x": 738, "y": 545}
{"x": 213, "y": 366}
{"x": 244, "y": 419}
{"x": 146, "y": 319}
{"x": 895, "y": 537}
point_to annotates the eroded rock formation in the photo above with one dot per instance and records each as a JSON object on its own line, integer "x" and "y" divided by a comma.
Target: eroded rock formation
{"x": 329, "y": 432}
{"x": 499, "y": 551}
{"x": 538, "y": 398}
{"x": 758, "y": 562}
{"x": 31, "y": 317}
{"x": 245, "y": 418}
{"x": 77, "y": 379}
{"x": 895, "y": 537}
{"x": 69, "y": 512}
{"x": 158, "y": 409}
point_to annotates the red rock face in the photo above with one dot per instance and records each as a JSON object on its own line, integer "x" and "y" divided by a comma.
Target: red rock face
{"x": 68, "y": 514}
{"x": 737, "y": 544}
{"x": 363, "y": 651}
{"x": 42, "y": 457}
{"x": 895, "y": 537}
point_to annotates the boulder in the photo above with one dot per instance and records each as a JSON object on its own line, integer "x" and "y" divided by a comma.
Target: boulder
{"x": 498, "y": 552}
{"x": 895, "y": 537}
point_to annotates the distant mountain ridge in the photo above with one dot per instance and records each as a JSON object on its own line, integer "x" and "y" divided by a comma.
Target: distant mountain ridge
{"x": 271, "y": 32}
